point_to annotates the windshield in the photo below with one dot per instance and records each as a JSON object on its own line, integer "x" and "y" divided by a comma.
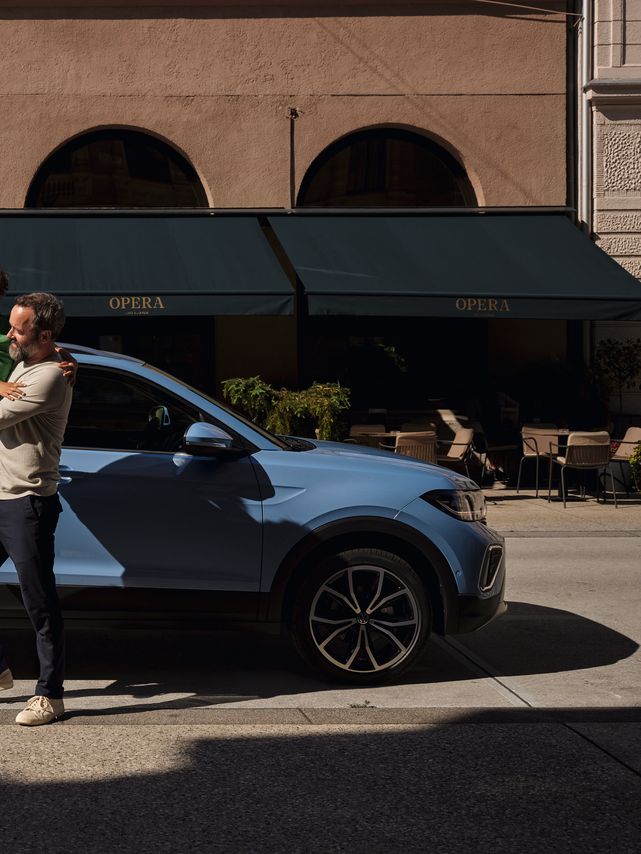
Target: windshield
{"x": 277, "y": 440}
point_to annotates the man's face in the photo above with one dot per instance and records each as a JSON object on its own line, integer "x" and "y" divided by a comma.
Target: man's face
{"x": 25, "y": 342}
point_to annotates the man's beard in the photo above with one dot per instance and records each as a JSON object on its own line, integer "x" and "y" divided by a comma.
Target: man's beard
{"x": 21, "y": 354}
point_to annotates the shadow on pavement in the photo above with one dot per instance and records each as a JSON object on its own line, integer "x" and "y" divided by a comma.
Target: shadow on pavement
{"x": 474, "y": 786}
{"x": 533, "y": 639}
{"x": 220, "y": 667}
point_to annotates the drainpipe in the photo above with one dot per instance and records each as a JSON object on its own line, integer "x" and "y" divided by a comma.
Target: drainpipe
{"x": 585, "y": 112}
{"x": 585, "y": 144}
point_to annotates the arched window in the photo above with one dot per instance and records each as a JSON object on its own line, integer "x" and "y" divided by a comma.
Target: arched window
{"x": 116, "y": 168}
{"x": 386, "y": 167}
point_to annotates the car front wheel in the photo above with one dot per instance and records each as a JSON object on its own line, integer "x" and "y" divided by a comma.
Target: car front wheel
{"x": 361, "y": 616}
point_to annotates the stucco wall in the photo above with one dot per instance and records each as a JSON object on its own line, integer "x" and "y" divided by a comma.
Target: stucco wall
{"x": 216, "y": 81}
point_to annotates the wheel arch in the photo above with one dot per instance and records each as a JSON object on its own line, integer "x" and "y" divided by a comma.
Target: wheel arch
{"x": 386, "y": 534}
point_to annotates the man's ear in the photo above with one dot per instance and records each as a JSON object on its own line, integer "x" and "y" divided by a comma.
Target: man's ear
{"x": 46, "y": 336}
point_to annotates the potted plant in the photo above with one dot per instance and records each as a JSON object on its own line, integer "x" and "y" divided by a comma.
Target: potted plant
{"x": 316, "y": 410}
{"x": 618, "y": 365}
{"x": 252, "y": 395}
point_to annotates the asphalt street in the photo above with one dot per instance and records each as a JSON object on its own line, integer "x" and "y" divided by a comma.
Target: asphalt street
{"x": 525, "y": 736}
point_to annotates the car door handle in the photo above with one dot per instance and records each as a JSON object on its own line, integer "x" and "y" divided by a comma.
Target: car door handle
{"x": 67, "y": 475}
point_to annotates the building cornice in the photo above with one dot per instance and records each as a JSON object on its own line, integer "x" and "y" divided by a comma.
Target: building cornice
{"x": 614, "y": 91}
{"x": 392, "y": 7}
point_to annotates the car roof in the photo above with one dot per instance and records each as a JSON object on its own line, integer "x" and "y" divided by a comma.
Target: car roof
{"x": 92, "y": 351}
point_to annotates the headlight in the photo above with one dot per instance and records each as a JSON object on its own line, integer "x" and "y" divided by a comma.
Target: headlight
{"x": 465, "y": 504}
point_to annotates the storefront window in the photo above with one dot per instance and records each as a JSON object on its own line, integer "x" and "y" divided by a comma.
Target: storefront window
{"x": 116, "y": 168}
{"x": 386, "y": 167}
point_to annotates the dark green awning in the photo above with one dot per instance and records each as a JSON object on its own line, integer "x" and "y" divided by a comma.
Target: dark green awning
{"x": 460, "y": 265}
{"x": 145, "y": 265}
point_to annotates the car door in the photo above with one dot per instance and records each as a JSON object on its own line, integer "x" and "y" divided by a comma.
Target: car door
{"x": 139, "y": 513}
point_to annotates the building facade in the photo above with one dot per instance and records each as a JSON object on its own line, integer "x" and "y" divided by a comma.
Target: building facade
{"x": 215, "y": 105}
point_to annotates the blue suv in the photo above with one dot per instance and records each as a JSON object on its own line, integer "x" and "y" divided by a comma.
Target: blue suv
{"x": 175, "y": 508}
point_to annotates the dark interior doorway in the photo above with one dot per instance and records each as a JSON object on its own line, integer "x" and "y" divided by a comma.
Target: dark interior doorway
{"x": 398, "y": 362}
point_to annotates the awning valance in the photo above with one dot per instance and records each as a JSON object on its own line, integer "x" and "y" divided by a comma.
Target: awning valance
{"x": 102, "y": 264}
{"x": 459, "y": 265}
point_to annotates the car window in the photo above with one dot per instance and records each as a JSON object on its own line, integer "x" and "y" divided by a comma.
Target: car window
{"x": 116, "y": 411}
{"x": 256, "y": 428}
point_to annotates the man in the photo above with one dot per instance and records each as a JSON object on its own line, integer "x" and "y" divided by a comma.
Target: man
{"x": 67, "y": 363}
{"x": 31, "y": 433}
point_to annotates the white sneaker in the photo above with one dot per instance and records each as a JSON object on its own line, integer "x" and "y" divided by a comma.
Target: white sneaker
{"x": 6, "y": 680}
{"x": 40, "y": 710}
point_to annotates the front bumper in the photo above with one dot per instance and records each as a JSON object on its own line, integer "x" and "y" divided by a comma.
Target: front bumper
{"x": 474, "y": 611}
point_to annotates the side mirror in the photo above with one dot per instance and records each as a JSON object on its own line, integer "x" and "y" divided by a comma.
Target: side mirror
{"x": 206, "y": 440}
{"x": 159, "y": 417}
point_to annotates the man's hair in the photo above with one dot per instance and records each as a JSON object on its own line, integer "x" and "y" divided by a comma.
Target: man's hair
{"x": 48, "y": 312}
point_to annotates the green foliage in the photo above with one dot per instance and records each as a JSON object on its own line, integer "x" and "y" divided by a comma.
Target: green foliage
{"x": 290, "y": 412}
{"x": 635, "y": 465}
{"x": 390, "y": 350}
{"x": 324, "y": 402}
{"x": 617, "y": 364}
{"x": 253, "y": 396}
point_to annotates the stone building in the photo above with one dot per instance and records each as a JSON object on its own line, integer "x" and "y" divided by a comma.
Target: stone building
{"x": 614, "y": 95}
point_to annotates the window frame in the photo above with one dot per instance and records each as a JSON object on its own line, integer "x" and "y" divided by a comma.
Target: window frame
{"x": 137, "y": 378}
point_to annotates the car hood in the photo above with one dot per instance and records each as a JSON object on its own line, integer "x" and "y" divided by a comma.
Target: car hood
{"x": 392, "y": 462}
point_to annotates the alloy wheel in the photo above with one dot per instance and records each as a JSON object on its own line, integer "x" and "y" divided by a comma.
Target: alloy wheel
{"x": 364, "y": 619}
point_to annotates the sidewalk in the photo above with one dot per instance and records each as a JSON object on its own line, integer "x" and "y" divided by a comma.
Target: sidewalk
{"x": 523, "y": 514}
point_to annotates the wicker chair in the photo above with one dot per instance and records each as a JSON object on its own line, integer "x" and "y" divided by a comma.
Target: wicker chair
{"x": 584, "y": 451}
{"x": 421, "y": 446}
{"x": 537, "y": 442}
{"x": 626, "y": 447}
{"x": 459, "y": 451}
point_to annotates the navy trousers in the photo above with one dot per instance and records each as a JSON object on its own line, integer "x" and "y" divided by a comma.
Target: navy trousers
{"x": 27, "y": 527}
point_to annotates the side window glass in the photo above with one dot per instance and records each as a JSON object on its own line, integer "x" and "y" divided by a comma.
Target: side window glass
{"x": 116, "y": 411}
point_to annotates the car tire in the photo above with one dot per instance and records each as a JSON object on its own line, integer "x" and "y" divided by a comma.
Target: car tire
{"x": 361, "y": 616}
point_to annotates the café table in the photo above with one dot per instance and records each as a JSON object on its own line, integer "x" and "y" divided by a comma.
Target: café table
{"x": 374, "y": 440}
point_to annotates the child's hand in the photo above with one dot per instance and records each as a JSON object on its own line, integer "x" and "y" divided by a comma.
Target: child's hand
{"x": 68, "y": 365}
{"x": 12, "y": 391}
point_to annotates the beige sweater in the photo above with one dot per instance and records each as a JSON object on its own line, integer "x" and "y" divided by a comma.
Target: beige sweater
{"x": 32, "y": 430}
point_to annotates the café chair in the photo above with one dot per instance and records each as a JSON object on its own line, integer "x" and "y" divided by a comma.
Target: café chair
{"x": 536, "y": 443}
{"x": 585, "y": 451}
{"x": 421, "y": 445}
{"x": 625, "y": 450}
{"x": 459, "y": 451}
